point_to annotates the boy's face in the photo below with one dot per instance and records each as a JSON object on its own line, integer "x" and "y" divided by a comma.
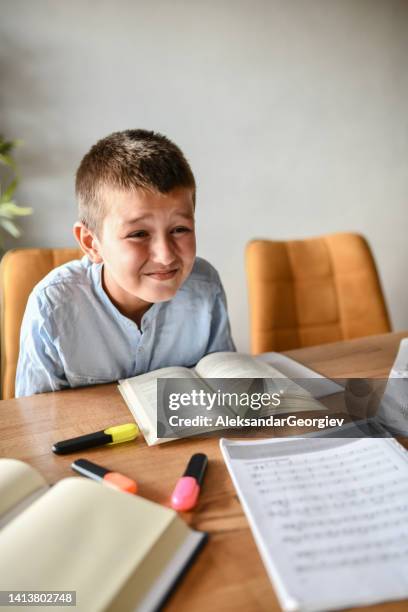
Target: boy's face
{"x": 147, "y": 244}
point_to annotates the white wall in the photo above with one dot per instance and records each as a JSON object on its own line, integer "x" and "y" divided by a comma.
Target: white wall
{"x": 292, "y": 114}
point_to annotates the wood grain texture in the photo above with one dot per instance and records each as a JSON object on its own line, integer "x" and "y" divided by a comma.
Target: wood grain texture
{"x": 228, "y": 575}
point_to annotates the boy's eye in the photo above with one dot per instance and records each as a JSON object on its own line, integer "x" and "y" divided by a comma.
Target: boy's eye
{"x": 138, "y": 234}
{"x": 181, "y": 230}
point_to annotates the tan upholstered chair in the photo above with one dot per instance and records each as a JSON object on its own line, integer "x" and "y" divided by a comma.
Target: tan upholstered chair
{"x": 313, "y": 291}
{"x": 20, "y": 270}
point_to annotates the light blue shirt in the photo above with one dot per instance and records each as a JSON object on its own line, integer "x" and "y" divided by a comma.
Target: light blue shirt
{"x": 72, "y": 335}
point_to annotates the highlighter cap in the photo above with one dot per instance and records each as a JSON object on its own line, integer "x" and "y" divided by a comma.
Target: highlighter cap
{"x": 185, "y": 494}
{"x": 123, "y": 433}
{"x": 196, "y": 467}
{"x": 120, "y": 482}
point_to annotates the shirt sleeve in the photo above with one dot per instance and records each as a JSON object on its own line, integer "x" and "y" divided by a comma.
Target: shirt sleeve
{"x": 220, "y": 336}
{"x": 39, "y": 367}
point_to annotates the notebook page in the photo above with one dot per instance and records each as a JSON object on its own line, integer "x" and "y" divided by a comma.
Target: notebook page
{"x": 329, "y": 516}
{"x": 80, "y": 536}
{"x": 17, "y": 482}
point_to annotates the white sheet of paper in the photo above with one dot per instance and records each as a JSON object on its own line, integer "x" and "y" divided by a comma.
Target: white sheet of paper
{"x": 329, "y": 516}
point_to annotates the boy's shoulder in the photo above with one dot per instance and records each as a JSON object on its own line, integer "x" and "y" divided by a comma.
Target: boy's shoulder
{"x": 66, "y": 278}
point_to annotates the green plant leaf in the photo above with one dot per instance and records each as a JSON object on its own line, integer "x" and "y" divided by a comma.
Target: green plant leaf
{"x": 22, "y": 211}
{"x": 5, "y": 146}
{"x": 6, "y": 195}
{"x": 4, "y": 212}
{"x": 8, "y": 145}
{"x": 7, "y": 160}
{"x": 10, "y": 209}
{"x": 10, "y": 227}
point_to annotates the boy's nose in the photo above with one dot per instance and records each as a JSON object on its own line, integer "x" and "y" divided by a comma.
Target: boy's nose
{"x": 163, "y": 252}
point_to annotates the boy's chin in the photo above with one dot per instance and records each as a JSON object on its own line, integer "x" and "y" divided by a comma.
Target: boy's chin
{"x": 158, "y": 290}
{"x": 163, "y": 294}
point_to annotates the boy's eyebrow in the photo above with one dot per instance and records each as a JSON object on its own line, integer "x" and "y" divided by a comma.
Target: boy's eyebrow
{"x": 184, "y": 214}
{"x": 179, "y": 213}
{"x": 135, "y": 220}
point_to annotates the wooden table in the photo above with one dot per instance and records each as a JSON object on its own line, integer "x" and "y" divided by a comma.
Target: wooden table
{"x": 228, "y": 574}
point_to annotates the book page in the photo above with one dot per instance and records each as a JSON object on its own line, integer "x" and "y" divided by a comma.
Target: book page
{"x": 17, "y": 482}
{"x": 317, "y": 384}
{"x": 141, "y": 395}
{"x": 241, "y": 369}
{"x": 234, "y": 365}
{"x": 145, "y": 387}
{"x": 329, "y": 517}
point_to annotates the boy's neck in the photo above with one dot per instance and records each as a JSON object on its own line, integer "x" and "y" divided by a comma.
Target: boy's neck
{"x": 130, "y": 306}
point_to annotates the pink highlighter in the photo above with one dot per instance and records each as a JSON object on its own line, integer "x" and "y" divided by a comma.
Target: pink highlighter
{"x": 187, "y": 489}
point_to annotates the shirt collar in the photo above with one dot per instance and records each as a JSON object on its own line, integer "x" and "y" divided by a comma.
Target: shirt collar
{"x": 96, "y": 273}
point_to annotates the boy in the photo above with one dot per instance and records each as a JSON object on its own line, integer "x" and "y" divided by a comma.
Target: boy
{"x": 139, "y": 299}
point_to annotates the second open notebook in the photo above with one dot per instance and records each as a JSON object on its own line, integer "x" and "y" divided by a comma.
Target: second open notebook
{"x": 118, "y": 552}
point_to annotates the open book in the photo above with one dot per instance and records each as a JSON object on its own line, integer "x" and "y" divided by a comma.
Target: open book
{"x": 329, "y": 517}
{"x": 242, "y": 372}
{"x": 117, "y": 551}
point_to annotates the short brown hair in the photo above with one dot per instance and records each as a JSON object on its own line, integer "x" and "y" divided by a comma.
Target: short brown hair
{"x": 128, "y": 160}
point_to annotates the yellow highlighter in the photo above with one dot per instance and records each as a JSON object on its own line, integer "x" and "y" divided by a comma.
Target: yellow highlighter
{"x": 109, "y": 436}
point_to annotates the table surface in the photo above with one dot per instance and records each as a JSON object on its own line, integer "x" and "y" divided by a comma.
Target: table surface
{"x": 228, "y": 574}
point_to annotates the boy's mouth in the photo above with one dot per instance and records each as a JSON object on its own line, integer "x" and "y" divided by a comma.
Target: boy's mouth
{"x": 163, "y": 275}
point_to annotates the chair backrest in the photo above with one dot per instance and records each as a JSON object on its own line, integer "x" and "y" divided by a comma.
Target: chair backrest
{"x": 313, "y": 291}
{"x": 20, "y": 271}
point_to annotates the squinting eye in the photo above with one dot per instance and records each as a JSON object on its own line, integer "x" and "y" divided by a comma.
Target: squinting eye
{"x": 181, "y": 230}
{"x": 139, "y": 234}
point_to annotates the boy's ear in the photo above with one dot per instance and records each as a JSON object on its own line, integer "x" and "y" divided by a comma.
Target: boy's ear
{"x": 88, "y": 242}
